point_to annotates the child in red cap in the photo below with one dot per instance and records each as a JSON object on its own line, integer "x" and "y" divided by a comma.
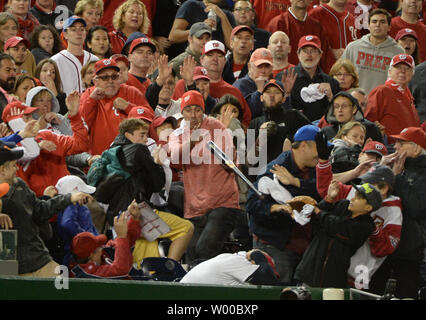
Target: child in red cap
{"x": 87, "y": 248}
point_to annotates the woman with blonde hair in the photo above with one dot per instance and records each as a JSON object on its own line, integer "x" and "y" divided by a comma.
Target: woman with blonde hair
{"x": 130, "y": 17}
{"x": 344, "y": 72}
{"x": 90, "y": 10}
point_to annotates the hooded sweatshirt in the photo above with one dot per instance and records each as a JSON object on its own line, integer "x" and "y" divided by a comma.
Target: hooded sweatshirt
{"x": 372, "y": 62}
{"x": 330, "y": 132}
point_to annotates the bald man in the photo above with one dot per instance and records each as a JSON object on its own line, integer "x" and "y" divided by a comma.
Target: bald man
{"x": 279, "y": 45}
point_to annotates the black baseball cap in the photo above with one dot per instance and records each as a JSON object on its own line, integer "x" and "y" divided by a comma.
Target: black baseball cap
{"x": 379, "y": 173}
{"x": 371, "y": 194}
{"x": 9, "y": 152}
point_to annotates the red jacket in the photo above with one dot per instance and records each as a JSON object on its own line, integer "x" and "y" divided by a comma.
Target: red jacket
{"x": 103, "y": 119}
{"x": 123, "y": 259}
{"x": 49, "y": 167}
{"x": 393, "y": 109}
{"x": 218, "y": 90}
{"x": 27, "y": 26}
{"x": 117, "y": 40}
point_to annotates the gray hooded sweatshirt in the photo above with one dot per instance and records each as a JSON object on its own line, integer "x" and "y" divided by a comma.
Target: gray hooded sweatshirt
{"x": 64, "y": 127}
{"x": 371, "y": 62}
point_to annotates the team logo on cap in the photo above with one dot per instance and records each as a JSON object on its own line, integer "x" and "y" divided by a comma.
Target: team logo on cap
{"x": 186, "y": 98}
{"x": 107, "y": 62}
{"x": 140, "y": 111}
{"x": 309, "y": 38}
{"x": 204, "y": 71}
{"x": 404, "y": 130}
{"x": 367, "y": 188}
{"x": 215, "y": 44}
{"x": 264, "y": 53}
{"x": 378, "y": 146}
{"x": 144, "y": 40}
{"x": 403, "y": 57}
{"x": 408, "y": 30}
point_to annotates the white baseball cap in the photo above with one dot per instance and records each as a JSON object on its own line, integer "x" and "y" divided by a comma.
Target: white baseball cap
{"x": 73, "y": 184}
{"x": 214, "y": 45}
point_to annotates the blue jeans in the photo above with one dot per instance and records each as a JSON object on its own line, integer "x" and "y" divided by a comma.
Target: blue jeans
{"x": 286, "y": 261}
{"x": 210, "y": 233}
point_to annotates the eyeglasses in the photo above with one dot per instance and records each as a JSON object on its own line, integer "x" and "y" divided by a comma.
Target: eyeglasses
{"x": 343, "y": 75}
{"x": 105, "y": 78}
{"x": 343, "y": 106}
{"x": 242, "y": 9}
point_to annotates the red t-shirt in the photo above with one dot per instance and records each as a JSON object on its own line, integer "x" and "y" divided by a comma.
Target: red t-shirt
{"x": 268, "y": 9}
{"x": 275, "y": 72}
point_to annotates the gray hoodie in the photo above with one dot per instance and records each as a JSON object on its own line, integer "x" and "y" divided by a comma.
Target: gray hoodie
{"x": 372, "y": 62}
{"x": 64, "y": 127}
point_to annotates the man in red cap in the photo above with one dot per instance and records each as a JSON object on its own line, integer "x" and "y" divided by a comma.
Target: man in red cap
{"x": 392, "y": 104}
{"x": 106, "y": 104}
{"x": 141, "y": 57}
{"x": 410, "y": 19}
{"x": 242, "y": 43}
{"x": 213, "y": 214}
{"x": 17, "y": 48}
{"x": 308, "y": 71}
{"x": 213, "y": 60}
{"x": 409, "y": 166}
{"x": 407, "y": 39}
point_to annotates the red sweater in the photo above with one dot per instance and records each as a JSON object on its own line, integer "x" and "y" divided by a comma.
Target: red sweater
{"x": 49, "y": 167}
{"x": 117, "y": 40}
{"x": 397, "y": 24}
{"x": 392, "y": 108}
{"x": 103, "y": 119}
{"x": 218, "y": 90}
{"x": 123, "y": 258}
{"x": 133, "y": 81}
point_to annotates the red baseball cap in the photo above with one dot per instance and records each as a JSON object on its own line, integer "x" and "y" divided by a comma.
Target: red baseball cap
{"x": 214, "y": 45}
{"x": 260, "y": 56}
{"x": 4, "y": 189}
{"x": 412, "y": 134}
{"x": 105, "y": 64}
{"x": 403, "y": 58}
{"x": 143, "y": 113}
{"x": 406, "y": 32}
{"x": 159, "y": 120}
{"x": 200, "y": 73}
{"x": 191, "y": 98}
{"x": 85, "y": 243}
{"x": 13, "y": 42}
{"x": 240, "y": 28}
{"x": 142, "y": 42}
{"x": 375, "y": 147}
{"x": 23, "y": 109}
{"x": 120, "y": 57}
{"x": 309, "y": 40}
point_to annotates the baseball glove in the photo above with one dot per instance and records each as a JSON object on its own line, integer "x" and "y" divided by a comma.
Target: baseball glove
{"x": 298, "y": 202}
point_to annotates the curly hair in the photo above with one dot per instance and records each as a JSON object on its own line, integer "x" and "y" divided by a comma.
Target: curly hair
{"x": 57, "y": 43}
{"x": 88, "y": 4}
{"x": 118, "y": 20}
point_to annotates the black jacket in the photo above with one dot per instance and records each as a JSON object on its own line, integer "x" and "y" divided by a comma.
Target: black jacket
{"x": 146, "y": 177}
{"x": 27, "y": 211}
{"x": 336, "y": 238}
{"x": 410, "y": 186}
{"x": 288, "y": 121}
{"x": 228, "y": 74}
{"x": 315, "y": 110}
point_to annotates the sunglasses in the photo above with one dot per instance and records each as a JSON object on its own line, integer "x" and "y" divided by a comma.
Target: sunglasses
{"x": 105, "y": 78}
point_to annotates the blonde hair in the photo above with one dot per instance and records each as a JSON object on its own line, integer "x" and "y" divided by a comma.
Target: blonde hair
{"x": 118, "y": 20}
{"x": 88, "y": 4}
{"x": 349, "y": 67}
{"x": 348, "y": 127}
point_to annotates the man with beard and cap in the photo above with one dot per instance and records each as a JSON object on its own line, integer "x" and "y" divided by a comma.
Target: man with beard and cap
{"x": 7, "y": 79}
{"x": 17, "y": 48}
{"x": 279, "y": 122}
{"x": 344, "y": 108}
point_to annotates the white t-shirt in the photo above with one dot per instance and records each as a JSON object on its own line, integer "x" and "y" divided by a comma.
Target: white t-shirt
{"x": 226, "y": 269}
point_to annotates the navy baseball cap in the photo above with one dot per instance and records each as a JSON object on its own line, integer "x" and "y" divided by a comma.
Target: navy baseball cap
{"x": 71, "y": 20}
{"x": 379, "y": 173}
{"x": 371, "y": 194}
